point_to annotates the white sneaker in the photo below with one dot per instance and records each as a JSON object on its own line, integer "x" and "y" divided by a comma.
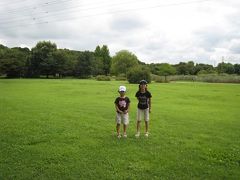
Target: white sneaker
{"x": 119, "y": 136}
{"x": 125, "y": 135}
{"x": 137, "y": 135}
{"x": 146, "y": 134}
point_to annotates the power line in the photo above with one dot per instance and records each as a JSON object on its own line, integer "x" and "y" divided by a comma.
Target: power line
{"x": 12, "y": 2}
{"x": 49, "y": 14}
{"x": 35, "y": 6}
{"x": 111, "y": 12}
{"x": 105, "y": 13}
{"x": 49, "y": 3}
{"x": 33, "y": 14}
{"x": 32, "y": 3}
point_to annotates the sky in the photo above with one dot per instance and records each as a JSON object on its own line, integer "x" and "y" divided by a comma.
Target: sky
{"x": 156, "y": 31}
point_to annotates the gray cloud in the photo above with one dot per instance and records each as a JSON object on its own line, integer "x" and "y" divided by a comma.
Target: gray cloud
{"x": 235, "y": 47}
{"x": 215, "y": 37}
{"x": 209, "y": 39}
{"x": 152, "y": 35}
{"x": 127, "y": 23}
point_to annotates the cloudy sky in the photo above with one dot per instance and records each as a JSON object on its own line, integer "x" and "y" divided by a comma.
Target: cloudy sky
{"x": 156, "y": 31}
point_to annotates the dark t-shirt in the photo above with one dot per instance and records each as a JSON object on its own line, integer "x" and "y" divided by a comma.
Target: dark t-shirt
{"x": 143, "y": 99}
{"x": 122, "y": 103}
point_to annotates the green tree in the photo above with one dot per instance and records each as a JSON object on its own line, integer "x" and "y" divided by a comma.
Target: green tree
{"x": 181, "y": 68}
{"x": 135, "y": 74}
{"x": 103, "y": 60}
{"x": 84, "y": 64}
{"x": 123, "y": 61}
{"x": 203, "y": 68}
{"x": 237, "y": 69}
{"x": 225, "y": 68}
{"x": 13, "y": 61}
{"x": 163, "y": 69}
{"x": 71, "y": 62}
{"x": 190, "y": 67}
{"x": 60, "y": 63}
{"x": 185, "y": 68}
{"x": 42, "y": 60}
{"x": 98, "y": 66}
{"x": 166, "y": 70}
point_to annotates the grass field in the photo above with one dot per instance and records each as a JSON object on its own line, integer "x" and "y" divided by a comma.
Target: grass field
{"x": 63, "y": 129}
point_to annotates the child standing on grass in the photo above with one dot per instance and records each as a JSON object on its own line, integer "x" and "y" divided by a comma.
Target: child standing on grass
{"x": 144, "y": 106}
{"x": 122, "y": 104}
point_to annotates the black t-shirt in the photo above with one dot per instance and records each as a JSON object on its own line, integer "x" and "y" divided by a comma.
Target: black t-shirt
{"x": 122, "y": 103}
{"x": 143, "y": 99}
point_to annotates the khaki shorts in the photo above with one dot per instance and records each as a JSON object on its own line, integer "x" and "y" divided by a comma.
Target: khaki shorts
{"x": 143, "y": 113}
{"x": 124, "y": 118}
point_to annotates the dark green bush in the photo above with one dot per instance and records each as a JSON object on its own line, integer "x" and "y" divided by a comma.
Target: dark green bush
{"x": 212, "y": 78}
{"x": 137, "y": 74}
{"x": 103, "y": 78}
{"x": 160, "y": 79}
{"x": 182, "y": 78}
{"x": 121, "y": 77}
{"x": 222, "y": 78}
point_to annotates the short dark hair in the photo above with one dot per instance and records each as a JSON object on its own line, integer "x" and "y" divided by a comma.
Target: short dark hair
{"x": 143, "y": 82}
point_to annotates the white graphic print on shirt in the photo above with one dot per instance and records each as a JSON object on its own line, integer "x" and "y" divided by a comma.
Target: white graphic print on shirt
{"x": 122, "y": 103}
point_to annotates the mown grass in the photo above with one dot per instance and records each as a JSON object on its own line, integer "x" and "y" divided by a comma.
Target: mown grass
{"x": 64, "y": 129}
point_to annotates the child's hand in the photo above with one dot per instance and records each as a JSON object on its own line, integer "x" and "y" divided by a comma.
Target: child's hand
{"x": 125, "y": 112}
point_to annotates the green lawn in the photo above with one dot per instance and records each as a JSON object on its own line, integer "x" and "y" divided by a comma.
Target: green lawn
{"x": 64, "y": 129}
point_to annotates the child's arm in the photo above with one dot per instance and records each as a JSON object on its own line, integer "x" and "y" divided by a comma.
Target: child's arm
{"x": 149, "y": 104}
{"x": 117, "y": 109}
{"x": 126, "y": 111}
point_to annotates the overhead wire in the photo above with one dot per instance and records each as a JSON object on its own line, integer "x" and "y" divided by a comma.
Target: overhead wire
{"x": 12, "y": 2}
{"x": 105, "y": 13}
{"x": 49, "y": 14}
{"x": 16, "y": 9}
{"x": 48, "y": 3}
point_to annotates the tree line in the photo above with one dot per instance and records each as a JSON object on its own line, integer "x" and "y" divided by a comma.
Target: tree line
{"x": 45, "y": 59}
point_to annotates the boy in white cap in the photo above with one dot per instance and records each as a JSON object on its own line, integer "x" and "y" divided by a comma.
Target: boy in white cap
{"x": 122, "y": 104}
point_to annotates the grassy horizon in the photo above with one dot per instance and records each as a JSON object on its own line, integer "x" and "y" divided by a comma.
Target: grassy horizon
{"x": 65, "y": 129}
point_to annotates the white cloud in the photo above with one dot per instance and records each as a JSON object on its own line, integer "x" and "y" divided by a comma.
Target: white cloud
{"x": 126, "y": 23}
{"x": 155, "y": 31}
{"x": 234, "y": 46}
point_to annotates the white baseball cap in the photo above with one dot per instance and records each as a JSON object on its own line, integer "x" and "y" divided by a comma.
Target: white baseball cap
{"x": 122, "y": 88}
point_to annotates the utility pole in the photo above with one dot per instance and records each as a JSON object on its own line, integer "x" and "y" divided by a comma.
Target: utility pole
{"x": 214, "y": 63}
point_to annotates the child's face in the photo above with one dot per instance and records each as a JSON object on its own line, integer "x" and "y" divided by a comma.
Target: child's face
{"x": 122, "y": 93}
{"x": 143, "y": 86}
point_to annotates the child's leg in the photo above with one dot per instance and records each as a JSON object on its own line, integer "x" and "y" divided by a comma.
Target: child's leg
{"x": 138, "y": 129}
{"x": 124, "y": 129}
{"x": 118, "y": 121}
{"x": 118, "y": 129}
{"x": 146, "y": 118}
{"x": 146, "y": 126}
{"x": 138, "y": 126}
{"x": 139, "y": 117}
{"x": 125, "y": 124}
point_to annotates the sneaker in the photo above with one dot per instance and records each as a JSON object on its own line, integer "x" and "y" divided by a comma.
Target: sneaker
{"x": 137, "y": 135}
{"x": 146, "y": 134}
{"x": 125, "y": 135}
{"x": 119, "y": 136}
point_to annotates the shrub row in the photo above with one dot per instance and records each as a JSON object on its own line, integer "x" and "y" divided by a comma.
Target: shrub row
{"x": 212, "y": 78}
{"x": 103, "y": 78}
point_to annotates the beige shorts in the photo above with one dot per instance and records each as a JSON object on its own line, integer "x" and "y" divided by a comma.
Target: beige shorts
{"x": 143, "y": 113}
{"x": 122, "y": 118}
